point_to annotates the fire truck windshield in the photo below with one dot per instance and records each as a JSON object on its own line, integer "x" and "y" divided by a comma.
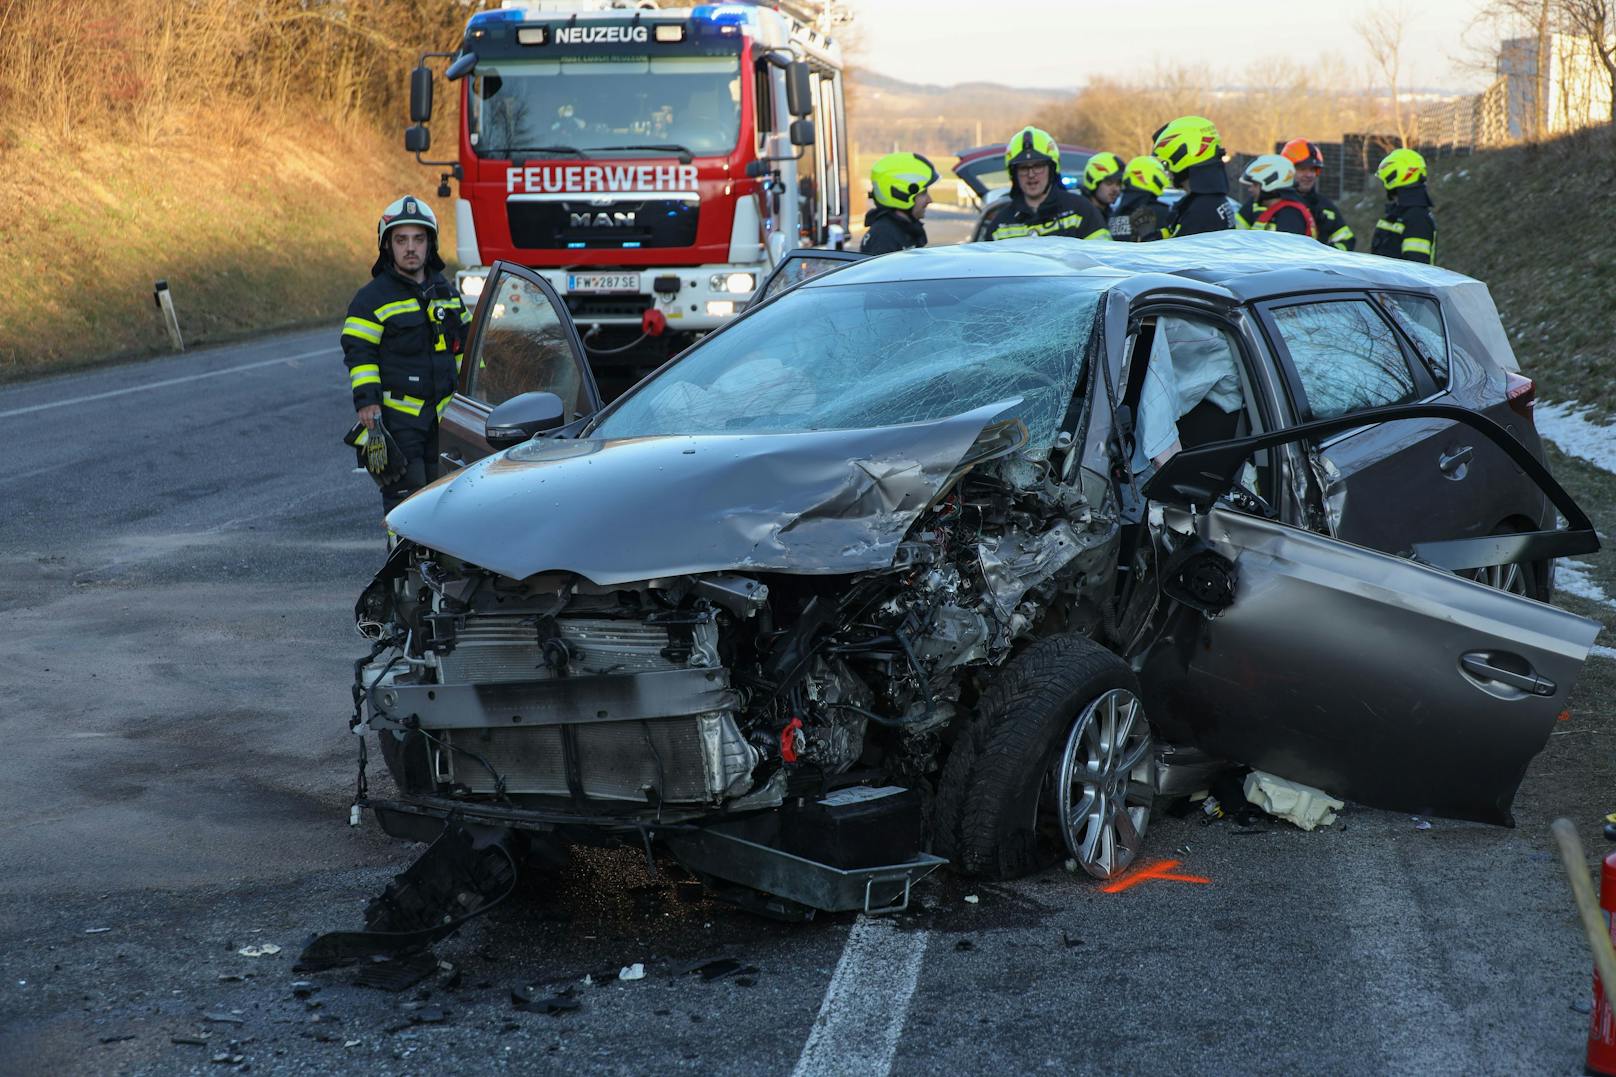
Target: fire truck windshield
{"x": 687, "y": 103}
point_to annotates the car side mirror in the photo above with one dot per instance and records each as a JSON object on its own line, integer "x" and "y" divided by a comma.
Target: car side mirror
{"x": 522, "y": 417}
{"x": 802, "y": 132}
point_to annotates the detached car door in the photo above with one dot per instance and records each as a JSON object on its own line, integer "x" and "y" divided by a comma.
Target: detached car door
{"x": 1373, "y": 677}
{"x": 522, "y": 341}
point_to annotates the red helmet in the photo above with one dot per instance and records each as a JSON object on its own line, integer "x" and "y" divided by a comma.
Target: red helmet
{"x": 1303, "y": 154}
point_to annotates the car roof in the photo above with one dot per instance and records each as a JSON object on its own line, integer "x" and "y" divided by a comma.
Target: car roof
{"x": 1249, "y": 265}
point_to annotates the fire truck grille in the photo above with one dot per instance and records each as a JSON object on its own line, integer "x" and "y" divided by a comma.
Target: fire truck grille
{"x": 583, "y": 226}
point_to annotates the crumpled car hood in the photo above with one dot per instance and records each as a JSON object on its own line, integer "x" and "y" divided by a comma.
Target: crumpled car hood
{"x": 618, "y": 511}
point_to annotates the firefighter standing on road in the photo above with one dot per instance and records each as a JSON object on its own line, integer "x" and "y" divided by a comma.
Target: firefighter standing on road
{"x": 1407, "y": 227}
{"x": 1192, "y": 152}
{"x": 1102, "y": 182}
{"x": 1309, "y": 162}
{"x": 402, "y": 344}
{"x": 1140, "y": 215}
{"x": 1039, "y": 205}
{"x": 900, "y": 187}
{"x": 1276, "y": 205}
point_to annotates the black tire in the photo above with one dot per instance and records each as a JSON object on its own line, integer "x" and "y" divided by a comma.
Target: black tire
{"x": 987, "y": 812}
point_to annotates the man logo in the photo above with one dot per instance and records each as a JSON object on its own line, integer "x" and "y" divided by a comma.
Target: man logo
{"x": 601, "y": 220}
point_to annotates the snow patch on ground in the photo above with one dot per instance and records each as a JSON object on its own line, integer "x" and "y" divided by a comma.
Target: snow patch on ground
{"x": 1597, "y": 651}
{"x": 1574, "y": 578}
{"x": 1570, "y": 429}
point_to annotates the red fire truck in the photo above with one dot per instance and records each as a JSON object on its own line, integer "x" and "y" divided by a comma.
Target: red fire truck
{"x": 652, "y": 163}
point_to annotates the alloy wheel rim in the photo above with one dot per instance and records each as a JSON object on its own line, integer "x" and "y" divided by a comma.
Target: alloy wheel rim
{"x": 1104, "y": 786}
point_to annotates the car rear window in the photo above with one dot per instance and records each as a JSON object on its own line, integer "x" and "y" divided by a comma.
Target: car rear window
{"x": 1346, "y": 357}
{"x": 1420, "y": 317}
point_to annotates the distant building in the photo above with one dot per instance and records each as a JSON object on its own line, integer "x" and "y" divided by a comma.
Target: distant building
{"x": 1573, "y": 90}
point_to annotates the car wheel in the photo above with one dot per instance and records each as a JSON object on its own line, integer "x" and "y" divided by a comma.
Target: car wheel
{"x": 1524, "y": 579}
{"x": 1056, "y": 762}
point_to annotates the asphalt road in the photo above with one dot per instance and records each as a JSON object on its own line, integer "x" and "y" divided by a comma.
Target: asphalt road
{"x": 180, "y": 547}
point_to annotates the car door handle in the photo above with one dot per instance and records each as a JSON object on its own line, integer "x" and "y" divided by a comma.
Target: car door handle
{"x": 1453, "y": 461}
{"x": 451, "y": 459}
{"x": 1480, "y": 665}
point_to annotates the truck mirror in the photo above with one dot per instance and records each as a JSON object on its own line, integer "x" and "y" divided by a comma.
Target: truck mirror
{"x": 417, "y": 139}
{"x": 799, "y": 89}
{"x": 421, "y": 94}
{"x": 802, "y": 132}
{"x": 461, "y": 67}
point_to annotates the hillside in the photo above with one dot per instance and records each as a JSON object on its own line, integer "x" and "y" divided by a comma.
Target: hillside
{"x": 885, "y": 111}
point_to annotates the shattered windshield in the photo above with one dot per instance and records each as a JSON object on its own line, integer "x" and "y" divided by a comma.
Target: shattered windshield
{"x": 876, "y": 354}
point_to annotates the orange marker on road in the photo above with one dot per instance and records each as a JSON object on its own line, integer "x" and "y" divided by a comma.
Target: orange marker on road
{"x": 1161, "y": 869}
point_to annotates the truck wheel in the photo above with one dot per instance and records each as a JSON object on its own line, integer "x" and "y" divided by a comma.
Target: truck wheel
{"x": 1056, "y": 762}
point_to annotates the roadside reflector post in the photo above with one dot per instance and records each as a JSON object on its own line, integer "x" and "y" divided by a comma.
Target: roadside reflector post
{"x": 165, "y": 303}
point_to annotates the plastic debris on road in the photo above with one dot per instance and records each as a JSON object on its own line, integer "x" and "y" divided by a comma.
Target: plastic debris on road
{"x": 1295, "y": 803}
{"x": 1421, "y": 824}
{"x": 971, "y": 899}
{"x": 268, "y": 949}
{"x": 635, "y": 971}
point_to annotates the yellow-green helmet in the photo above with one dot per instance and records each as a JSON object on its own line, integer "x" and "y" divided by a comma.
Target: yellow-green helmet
{"x": 1031, "y": 146}
{"x": 1146, "y": 174}
{"x": 1186, "y": 142}
{"x": 1101, "y": 167}
{"x": 897, "y": 179}
{"x": 1401, "y": 168}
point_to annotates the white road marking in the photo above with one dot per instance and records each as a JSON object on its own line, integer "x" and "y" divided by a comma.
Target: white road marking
{"x": 165, "y": 383}
{"x": 867, "y": 1002}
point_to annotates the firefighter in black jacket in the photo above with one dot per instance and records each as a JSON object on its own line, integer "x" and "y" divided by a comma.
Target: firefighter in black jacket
{"x": 402, "y": 344}
{"x": 900, "y": 188}
{"x": 1039, "y": 205}
{"x": 1140, "y": 215}
{"x": 1407, "y": 227}
{"x": 1275, "y": 205}
{"x": 1309, "y": 162}
{"x": 1192, "y": 152}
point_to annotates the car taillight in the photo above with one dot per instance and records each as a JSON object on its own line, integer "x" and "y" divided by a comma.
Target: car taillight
{"x": 1521, "y": 393}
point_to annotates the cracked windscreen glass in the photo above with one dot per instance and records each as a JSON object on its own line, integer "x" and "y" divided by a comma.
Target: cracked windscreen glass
{"x": 876, "y": 354}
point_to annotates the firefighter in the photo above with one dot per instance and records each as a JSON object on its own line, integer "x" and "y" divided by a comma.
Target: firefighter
{"x": 1407, "y": 227}
{"x": 1309, "y": 162}
{"x": 1039, "y": 204}
{"x": 900, "y": 187}
{"x": 1102, "y": 182}
{"x": 1275, "y": 205}
{"x": 1140, "y": 214}
{"x": 402, "y": 344}
{"x": 1192, "y": 152}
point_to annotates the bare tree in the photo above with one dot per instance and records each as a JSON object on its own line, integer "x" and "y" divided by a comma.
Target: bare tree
{"x": 1381, "y": 29}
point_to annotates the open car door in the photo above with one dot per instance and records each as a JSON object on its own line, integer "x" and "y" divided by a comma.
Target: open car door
{"x": 522, "y": 341}
{"x": 1378, "y": 679}
{"x": 800, "y": 264}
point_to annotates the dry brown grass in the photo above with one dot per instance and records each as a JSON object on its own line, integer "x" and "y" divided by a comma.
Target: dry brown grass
{"x": 241, "y": 150}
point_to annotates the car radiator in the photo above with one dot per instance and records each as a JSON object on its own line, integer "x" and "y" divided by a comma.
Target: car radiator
{"x": 700, "y": 758}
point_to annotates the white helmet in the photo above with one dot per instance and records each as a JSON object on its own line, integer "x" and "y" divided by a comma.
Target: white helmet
{"x": 406, "y": 210}
{"x": 1270, "y": 173}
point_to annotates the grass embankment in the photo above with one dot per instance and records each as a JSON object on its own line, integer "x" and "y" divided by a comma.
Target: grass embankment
{"x": 253, "y": 229}
{"x": 1534, "y": 223}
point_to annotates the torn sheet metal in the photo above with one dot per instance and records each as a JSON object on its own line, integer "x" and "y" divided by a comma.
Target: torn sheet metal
{"x": 640, "y": 508}
{"x": 1291, "y": 801}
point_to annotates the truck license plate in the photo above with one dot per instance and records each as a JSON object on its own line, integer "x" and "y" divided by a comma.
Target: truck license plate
{"x": 603, "y": 282}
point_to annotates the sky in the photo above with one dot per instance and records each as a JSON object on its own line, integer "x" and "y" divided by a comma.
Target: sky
{"x": 1048, "y": 43}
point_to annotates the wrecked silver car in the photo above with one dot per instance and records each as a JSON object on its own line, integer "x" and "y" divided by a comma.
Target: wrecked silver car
{"x": 970, "y": 554}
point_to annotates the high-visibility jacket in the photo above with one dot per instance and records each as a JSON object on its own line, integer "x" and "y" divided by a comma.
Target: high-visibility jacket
{"x": 402, "y": 344}
{"x": 1407, "y": 226}
{"x": 889, "y": 230}
{"x": 1139, "y": 217}
{"x": 1333, "y": 227}
{"x": 1061, "y": 213}
{"x": 1283, "y": 214}
{"x": 1205, "y": 206}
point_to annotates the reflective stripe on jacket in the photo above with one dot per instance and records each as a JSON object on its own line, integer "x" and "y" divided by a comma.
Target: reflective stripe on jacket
{"x": 1061, "y": 213}
{"x": 402, "y": 344}
{"x": 1407, "y": 227}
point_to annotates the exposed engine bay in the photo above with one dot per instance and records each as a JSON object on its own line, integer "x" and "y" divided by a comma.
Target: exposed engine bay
{"x": 667, "y": 698}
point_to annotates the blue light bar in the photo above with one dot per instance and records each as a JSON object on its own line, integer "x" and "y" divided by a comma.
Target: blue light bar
{"x": 504, "y": 14}
{"x": 574, "y": 246}
{"x": 722, "y": 14}
{"x": 634, "y": 244}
